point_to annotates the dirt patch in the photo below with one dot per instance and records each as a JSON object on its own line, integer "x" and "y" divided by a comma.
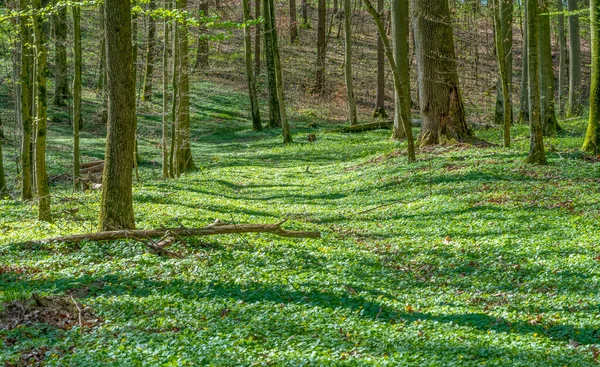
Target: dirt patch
{"x": 60, "y": 312}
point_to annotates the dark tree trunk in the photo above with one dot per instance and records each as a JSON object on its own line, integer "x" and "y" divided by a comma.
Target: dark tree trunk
{"x": 150, "y": 53}
{"x": 61, "y": 91}
{"x": 202, "y": 47}
{"x": 380, "y": 101}
{"x": 321, "y": 47}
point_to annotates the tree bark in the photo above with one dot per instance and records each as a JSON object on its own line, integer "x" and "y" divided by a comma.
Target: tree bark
{"x": 506, "y": 32}
{"x": 41, "y": 55}
{"x": 3, "y": 188}
{"x": 537, "y": 154}
{"x": 441, "y": 104}
{"x": 524, "y": 100}
{"x": 256, "y": 123}
{"x": 25, "y": 107}
{"x": 274, "y": 110}
{"x": 150, "y": 53}
{"x": 563, "y": 67}
{"x": 501, "y": 53}
{"x": 592, "y": 138}
{"x": 305, "y": 12}
{"x": 257, "y": 37}
{"x": 76, "y": 94}
{"x": 548, "y": 113}
{"x": 400, "y": 33}
{"x": 380, "y": 98}
{"x": 293, "y": 22}
{"x": 352, "y": 116}
{"x": 574, "y": 106}
{"x": 321, "y": 46}
{"x": 61, "y": 90}
{"x": 116, "y": 207}
{"x": 203, "y": 46}
{"x": 165, "y": 91}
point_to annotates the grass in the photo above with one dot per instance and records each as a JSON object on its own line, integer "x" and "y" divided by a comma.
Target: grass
{"x": 471, "y": 257}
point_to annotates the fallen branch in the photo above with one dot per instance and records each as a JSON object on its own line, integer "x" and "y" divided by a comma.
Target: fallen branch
{"x": 185, "y": 232}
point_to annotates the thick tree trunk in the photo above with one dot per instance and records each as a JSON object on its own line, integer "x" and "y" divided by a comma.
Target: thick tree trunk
{"x": 380, "y": 99}
{"x": 41, "y": 177}
{"x": 150, "y": 53}
{"x": 537, "y": 154}
{"x": 563, "y": 67}
{"x": 256, "y": 123}
{"x": 76, "y": 94}
{"x": 61, "y": 83}
{"x": 501, "y": 53}
{"x": 25, "y": 107}
{"x": 274, "y": 114}
{"x": 352, "y": 117}
{"x": 592, "y": 137}
{"x": 524, "y": 100}
{"x": 321, "y": 46}
{"x": 184, "y": 151}
{"x": 442, "y": 108}
{"x": 548, "y": 113}
{"x": 293, "y": 22}
{"x": 574, "y": 106}
{"x": 116, "y": 208}
{"x": 203, "y": 46}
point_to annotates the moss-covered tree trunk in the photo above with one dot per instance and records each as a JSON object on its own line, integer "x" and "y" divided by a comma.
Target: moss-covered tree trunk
{"x": 442, "y": 110}
{"x": 574, "y": 105}
{"x": 592, "y": 137}
{"x": 257, "y": 38}
{"x": 165, "y": 91}
{"x": 321, "y": 46}
{"x": 548, "y": 113}
{"x": 116, "y": 208}
{"x": 41, "y": 56}
{"x": 77, "y": 54}
{"x": 274, "y": 115}
{"x": 537, "y": 154}
{"x": 352, "y": 116}
{"x": 25, "y": 107}
{"x": 563, "y": 62}
{"x": 256, "y": 123}
{"x": 61, "y": 82}
{"x": 202, "y": 49}
{"x": 175, "y": 83}
{"x": 380, "y": 94}
{"x": 501, "y": 53}
{"x": 524, "y": 98}
{"x": 150, "y": 53}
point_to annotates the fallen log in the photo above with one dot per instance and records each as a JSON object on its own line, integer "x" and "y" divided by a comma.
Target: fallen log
{"x": 184, "y": 232}
{"x": 91, "y": 164}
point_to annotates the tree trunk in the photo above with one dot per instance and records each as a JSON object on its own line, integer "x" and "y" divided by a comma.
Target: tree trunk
{"x": 380, "y": 99}
{"x": 592, "y": 137}
{"x": 399, "y": 72}
{"x": 502, "y": 63}
{"x": 506, "y": 24}
{"x": 175, "y": 82}
{"x": 293, "y": 22}
{"x": 203, "y": 47}
{"x": 321, "y": 47}
{"x": 400, "y": 33}
{"x": 305, "y": 12}
{"x": 256, "y": 123}
{"x": 150, "y": 53}
{"x": 184, "y": 151}
{"x": 41, "y": 53}
{"x": 3, "y": 188}
{"x": 116, "y": 208}
{"x": 563, "y": 90}
{"x": 548, "y": 113}
{"x": 352, "y": 117}
{"x": 102, "y": 80}
{"x": 257, "y": 37}
{"x": 25, "y": 107}
{"x": 442, "y": 108}
{"x": 274, "y": 114}
{"x": 77, "y": 54}
{"x": 574, "y": 106}
{"x": 61, "y": 83}
{"x": 537, "y": 155}
{"x": 165, "y": 91}
{"x": 524, "y": 100}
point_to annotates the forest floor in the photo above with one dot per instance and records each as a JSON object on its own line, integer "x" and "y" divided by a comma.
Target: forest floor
{"x": 467, "y": 257}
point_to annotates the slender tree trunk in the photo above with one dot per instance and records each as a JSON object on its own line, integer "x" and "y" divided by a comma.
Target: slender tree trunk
{"x": 116, "y": 208}
{"x": 293, "y": 22}
{"x": 102, "y": 80}
{"x": 574, "y": 106}
{"x": 175, "y": 82}
{"x": 76, "y": 94}
{"x": 150, "y": 53}
{"x": 41, "y": 115}
{"x": 287, "y": 136}
{"x": 25, "y": 107}
{"x": 61, "y": 90}
{"x": 563, "y": 89}
{"x": 257, "y": 37}
{"x": 352, "y": 117}
{"x": 380, "y": 101}
{"x": 537, "y": 154}
{"x": 524, "y": 100}
{"x": 321, "y": 47}
{"x": 184, "y": 151}
{"x": 442, "y": 110}
{"x": 165, "y": 91}
{"x": 501, "y": 53}
{"x": 305, "y": 12}
{"x": 506, "y": 32}
{"x": 3, "y": 188}
{"x": 256, "y": 124}
{"x": 274, "y": 114}
{"x": 203, "y": 47}
{"x": 592, "y": 137}
{"x": 548, "y": 113}
{"x": 400, "y": 70}
{"x": 400, "y": 33}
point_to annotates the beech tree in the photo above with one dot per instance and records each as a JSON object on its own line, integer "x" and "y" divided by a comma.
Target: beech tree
{"x": 563, "y": 61}
{"x": 3, "y": 188}
{"x": 269, "y": 29}
{"x": 442, "y": 110}
{"x": 524, "y": 97}
{"x": 165, "y": 91}
{"x": 150, "y": 53}
{"x": 592, "y": 137}
{"x": 202, "y": 49}
{"x": 293, "y": 22}
{"x": 501, "y": 53}
{"x": 505, "y": 32}
{"x": 380, "y": 97}
{"x": 256, "y": 123}
{"x": 548, "y": 113}
{"x": 61, "y": 82}
{"x": 26, "y": 61}
{"x": 321, "y": 46}
{"x": 116, "y": 207}
{"x": 76, "y": 93}
{"x": 352, "y": 116}
{"x": 574, "y": 106}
